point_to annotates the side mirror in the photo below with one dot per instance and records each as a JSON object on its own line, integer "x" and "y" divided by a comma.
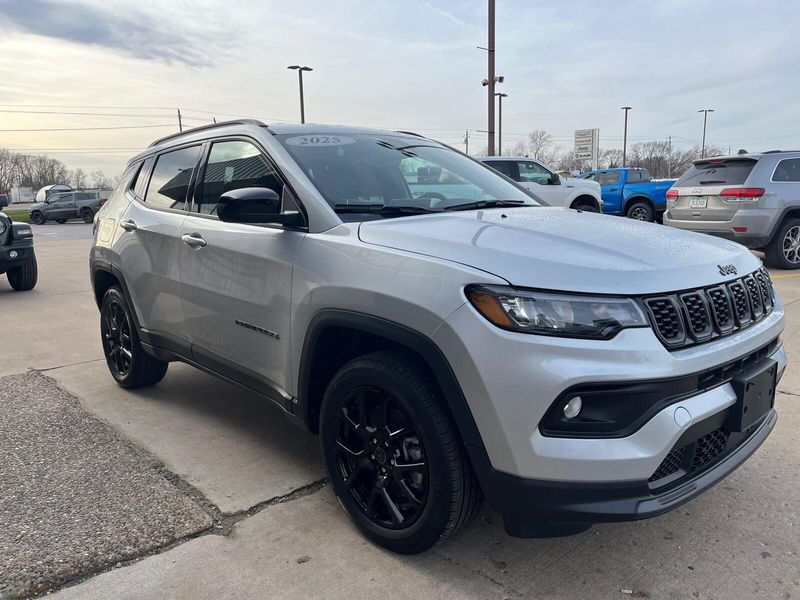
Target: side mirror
{"x": 555, "y": 179}
{"x": 254, "y": 205}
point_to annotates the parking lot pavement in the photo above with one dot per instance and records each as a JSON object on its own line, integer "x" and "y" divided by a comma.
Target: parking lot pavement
{"x": 71, "y": 230}
{"x": 76, "y": 495}
{"x": 279, "y": 532}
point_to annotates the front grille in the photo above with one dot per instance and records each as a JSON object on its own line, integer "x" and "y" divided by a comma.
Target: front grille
{"x": 699, "y": 315}
{"x": 709, "y": 447}
{"x": 672, "y": 463}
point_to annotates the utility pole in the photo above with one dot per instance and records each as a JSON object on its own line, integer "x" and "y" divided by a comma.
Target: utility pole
{"x": 705, "y": 112}
{"x": 500, "y": 97}
{"x": 490, "y": 78}
{"x": 625, "y": 138}
{"x": 180, "y": 122}
{"x": 466, "y": 141}
{"x": 669, "y": 158}
{"x": 300, "y": 70}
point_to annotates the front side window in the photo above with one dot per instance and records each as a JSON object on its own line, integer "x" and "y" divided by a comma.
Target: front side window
{"x": 787, "y": 170}
{"x": 377, "y": 171}
{"x": 233, "y": 165}
{"x": 531, "y": 172}
{"x": 171, "y": 176}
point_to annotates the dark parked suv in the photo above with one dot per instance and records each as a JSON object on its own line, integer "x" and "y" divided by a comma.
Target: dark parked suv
{"x": 63, "y": 206}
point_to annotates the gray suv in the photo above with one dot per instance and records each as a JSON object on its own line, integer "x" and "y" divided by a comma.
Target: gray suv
{"x": 753, "y": 199}
{"x": 448, "y": 338}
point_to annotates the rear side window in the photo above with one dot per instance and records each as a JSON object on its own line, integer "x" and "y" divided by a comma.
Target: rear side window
{"x": 234, "y": 165}
{"x": 504, "y": 166}
{"x": 787, "y": 170}
{"x": 139, "y": 184}
{"x": 609, "y": 178}
{"x": 171, "y": 176}
{"x": 717, "y": 172}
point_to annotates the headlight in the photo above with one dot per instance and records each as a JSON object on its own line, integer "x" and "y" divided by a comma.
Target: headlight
{"x": 3, "y": 226}
{"x": 547, "y": 313}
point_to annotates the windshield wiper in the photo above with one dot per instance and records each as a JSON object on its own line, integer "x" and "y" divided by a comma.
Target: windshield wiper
{"x": 486, "y": 204}
{"x": 383, "y": 209}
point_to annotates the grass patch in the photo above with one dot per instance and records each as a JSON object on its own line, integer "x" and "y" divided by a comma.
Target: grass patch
{"x": 18, "y": 215}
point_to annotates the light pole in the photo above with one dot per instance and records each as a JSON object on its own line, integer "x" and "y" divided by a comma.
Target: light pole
{"x": 490, "y": 79}
{"x": 625, "y": 137}
{"x": 500, "y": 97}
{"x": 705, "y": 112}
{"x": 300, "y": 70}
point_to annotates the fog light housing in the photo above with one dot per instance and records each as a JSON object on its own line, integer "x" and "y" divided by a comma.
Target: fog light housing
{"x": 573, "y": 408}
{"x": 13, "y": 254}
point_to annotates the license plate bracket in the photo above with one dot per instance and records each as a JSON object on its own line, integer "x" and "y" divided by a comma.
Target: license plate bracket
{"x": 698, "y": 202}
{"x": 755, "y": 395}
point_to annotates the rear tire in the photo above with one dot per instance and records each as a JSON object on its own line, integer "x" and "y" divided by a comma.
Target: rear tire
{"x": 37, "y": 218}
{"x": 783, "y": 251}
{"x": 87, "y": 215}
{"x": 24, "y": 277}
{"x": 394, "y": 459}
{"x": 129, "y": 364}
{"x": 641, "y": 211}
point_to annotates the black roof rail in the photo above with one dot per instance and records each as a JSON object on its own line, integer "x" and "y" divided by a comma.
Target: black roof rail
{"x": 775, "y": 151}
{"x": 411, "y": 133}
{"x": 209, "y": 126}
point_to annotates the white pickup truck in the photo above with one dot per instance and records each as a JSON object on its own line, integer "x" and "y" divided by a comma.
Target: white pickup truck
{"x": 555, "y": 190}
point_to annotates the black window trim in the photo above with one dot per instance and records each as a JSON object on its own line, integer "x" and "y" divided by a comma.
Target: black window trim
{"x": 201, "y": 172}
{"x": 190, "y": 191}
{"x": 775, "y": 170}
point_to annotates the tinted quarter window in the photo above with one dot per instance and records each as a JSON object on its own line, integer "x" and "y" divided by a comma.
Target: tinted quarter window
{"x": 234, "y": 165}
{"x": 139, "y": 184}
{"x": 717, "y": 172}
{"x": 171, "y": 176}
{"x": 504, "y": 166}
{"x": 531, "y": 172}
{"x": 787, "y": 170}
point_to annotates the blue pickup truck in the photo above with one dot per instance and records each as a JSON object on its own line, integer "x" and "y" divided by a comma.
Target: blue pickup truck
{"x": 631, "y": 192}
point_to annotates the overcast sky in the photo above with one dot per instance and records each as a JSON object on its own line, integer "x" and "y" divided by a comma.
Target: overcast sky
{"x": 406, "y": 64}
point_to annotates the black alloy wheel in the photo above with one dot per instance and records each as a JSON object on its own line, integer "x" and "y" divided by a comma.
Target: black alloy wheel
{"x": 127, "y": 360}
{"x": 115, "y": 327}
{"x": 381, "y": 459}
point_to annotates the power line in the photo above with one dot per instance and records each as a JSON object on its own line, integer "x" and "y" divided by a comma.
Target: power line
{"x": 86, "y": 128}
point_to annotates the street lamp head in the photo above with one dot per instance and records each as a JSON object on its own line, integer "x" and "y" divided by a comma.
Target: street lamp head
{"x": 295, "y": 67}
{"x": 706, "y": 110}
{"x": 501, "y": 94}
{"x": 625, "y": 108}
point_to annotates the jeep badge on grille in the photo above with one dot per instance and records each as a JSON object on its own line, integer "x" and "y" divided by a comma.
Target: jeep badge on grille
{"x": 727, "y": 269}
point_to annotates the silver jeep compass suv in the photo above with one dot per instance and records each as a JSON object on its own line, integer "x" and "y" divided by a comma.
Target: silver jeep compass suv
{"x": 448, "y": 338}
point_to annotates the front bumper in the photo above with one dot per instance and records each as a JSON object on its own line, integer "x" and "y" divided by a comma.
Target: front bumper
{"x": 528, "y": 500}
{"x": 21, "y": 250}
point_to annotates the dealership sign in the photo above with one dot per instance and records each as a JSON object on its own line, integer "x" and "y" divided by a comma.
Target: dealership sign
{"x": 587, "y": 145}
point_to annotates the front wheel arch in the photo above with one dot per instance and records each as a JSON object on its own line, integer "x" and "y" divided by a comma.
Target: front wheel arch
{"x": 586, "y": 200}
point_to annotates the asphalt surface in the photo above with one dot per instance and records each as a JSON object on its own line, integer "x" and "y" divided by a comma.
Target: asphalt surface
{"x": 76, "y": 495}
{"x": 248, "y": 513}
{"x": 71, "y": 230}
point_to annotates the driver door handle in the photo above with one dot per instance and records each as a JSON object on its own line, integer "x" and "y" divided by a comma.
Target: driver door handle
{"x": 194, "y": 240}
{"x": 128, "y": 225}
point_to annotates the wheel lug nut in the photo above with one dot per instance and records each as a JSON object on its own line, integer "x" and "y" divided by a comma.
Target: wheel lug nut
{"x": 386, "y": 444}
{"x": 374, "y": 441}
{"x": 372, "y": 456}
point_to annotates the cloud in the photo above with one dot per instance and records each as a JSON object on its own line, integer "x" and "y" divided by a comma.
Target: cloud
{"x": 132, "y": 32}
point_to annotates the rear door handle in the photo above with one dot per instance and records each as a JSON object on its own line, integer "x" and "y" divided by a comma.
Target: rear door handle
{"x": 194, "y": 240}
{"x": 128, "y": 225}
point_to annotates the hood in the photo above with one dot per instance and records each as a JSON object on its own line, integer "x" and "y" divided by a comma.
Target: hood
{"x": 36, "y": 205}
{"x": 582, "y": 183}
{"x": 566, "y": 250}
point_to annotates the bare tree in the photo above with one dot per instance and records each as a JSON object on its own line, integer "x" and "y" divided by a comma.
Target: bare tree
{"x": 78, "y": 178}
{"x": 99, "y": 180}
{"x": 540, "y": 143}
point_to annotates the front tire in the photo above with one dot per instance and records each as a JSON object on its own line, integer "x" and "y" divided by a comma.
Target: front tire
{"x": 24, "y": 277}
{"x": 129, "y": 364}
{"x": 87, "y": 215}
{"x": 641, "y": 211}
{"x": 394, "y": 458}
{"x": 37, "y": 218}
{"x": 783, "y": 251}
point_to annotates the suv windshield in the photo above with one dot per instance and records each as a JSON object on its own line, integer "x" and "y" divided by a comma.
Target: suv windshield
{"x": 397, "y": 175}
{"x": 717, "y": 172}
